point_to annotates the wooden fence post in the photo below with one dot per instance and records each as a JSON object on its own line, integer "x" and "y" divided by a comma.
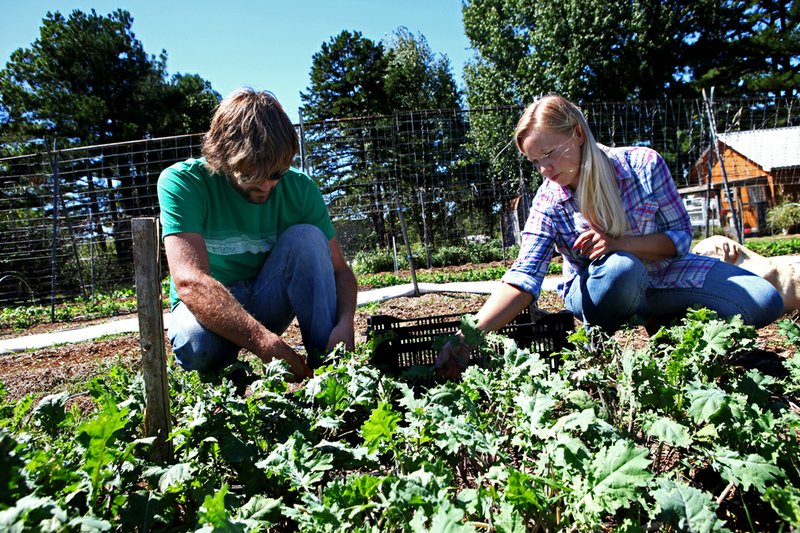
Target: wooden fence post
{"x": 147, "y": 266}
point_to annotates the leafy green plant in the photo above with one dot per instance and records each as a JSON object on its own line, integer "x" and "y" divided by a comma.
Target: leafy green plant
{"x": 117, "y": 302}
{"x": 785, "y": 217}
{"x": 441, "y": 256}
{"x": 774, "y": 247}
{"x": 388, "y": 280}
{"x": 674, "y": 435}
{"x": 23, "y": 317}
{"x": 381, "y": 280}
{"x": 372, "y": 262}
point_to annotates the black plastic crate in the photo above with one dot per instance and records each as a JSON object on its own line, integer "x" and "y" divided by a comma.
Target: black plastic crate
{"x": 403, "y": 343}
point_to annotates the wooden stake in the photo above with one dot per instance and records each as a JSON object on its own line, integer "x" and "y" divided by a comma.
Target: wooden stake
{"x": 147, "y": 262}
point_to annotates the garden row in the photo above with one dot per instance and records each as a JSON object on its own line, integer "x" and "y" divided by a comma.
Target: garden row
{"x": 374, "y": 270}
{"x": 672, "y": 435}
{"x": 487, "y": 252}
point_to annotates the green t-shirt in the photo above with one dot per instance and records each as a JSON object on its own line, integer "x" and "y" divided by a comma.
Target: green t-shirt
{"x": 238, "y": 234}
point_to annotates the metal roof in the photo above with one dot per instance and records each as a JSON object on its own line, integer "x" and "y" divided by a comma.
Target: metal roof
{"x": 770, "y": 149}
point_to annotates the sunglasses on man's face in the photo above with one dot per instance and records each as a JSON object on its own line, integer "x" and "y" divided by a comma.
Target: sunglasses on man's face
{"x": 275, "y": 176}
{"x": 278, "y": 175}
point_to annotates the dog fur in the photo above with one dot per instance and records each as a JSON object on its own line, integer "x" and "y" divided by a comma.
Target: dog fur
{"x": 783, "y": 272}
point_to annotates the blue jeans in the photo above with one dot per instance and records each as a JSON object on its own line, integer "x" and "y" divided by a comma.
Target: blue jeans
{"x": 614, "y": 288}
{"x": 295, "y": 280}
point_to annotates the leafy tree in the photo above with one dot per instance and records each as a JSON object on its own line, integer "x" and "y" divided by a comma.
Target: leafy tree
{"x": 347, "y": 79}
{"x": 188, "y": 105}
{"x": 428, "y": 146}
{"x": 748, "y": 48}
{"x": 617, "y": 51}
{"x": 86, "y": 79}
{"x": 352, "y": 77}
{"x": 496, "y": 78}
{"x": 416, "y": 78}
{"x": 80, "y": 80}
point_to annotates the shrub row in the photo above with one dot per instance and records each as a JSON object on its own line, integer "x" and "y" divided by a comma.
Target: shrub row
{"x": 678, "y": 435}
{"x": 771, "y": 247}
{"x": 442, "y": 256}
{"x": 784, "y": 217}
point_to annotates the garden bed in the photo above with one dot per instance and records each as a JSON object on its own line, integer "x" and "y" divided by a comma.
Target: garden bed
{"x": 67, "y": 367}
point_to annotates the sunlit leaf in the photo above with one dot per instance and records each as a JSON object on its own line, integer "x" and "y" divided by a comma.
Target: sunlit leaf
{"x": 380, "y": 426}
{"x": 786, "y": 502}
{"x": 705, "y": 403}
{"x": 175, "y": 477}
{"x": 747, "y": 471}
{"x": 687, "y": 508}
{"x": 615, "y": 477}
{"x": 671, "y": 432}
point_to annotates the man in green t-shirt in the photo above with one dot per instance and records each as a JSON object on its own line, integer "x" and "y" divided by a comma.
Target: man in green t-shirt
{"x": 250, "y": 245}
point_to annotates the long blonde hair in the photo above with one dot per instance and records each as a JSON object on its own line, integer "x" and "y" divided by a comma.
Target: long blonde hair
{"x": 598, "y": 192}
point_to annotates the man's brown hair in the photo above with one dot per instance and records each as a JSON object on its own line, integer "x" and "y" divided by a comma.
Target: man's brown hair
{"x": 251, "y": 137}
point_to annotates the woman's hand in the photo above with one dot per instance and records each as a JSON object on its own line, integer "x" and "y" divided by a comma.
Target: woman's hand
{"x": 594, "y": 243}
{"x": 453, "y": 358}
{"x": 652, "y": 247}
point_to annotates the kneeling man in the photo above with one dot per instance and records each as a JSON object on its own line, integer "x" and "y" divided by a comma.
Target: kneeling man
{"x": 250, "y": 245}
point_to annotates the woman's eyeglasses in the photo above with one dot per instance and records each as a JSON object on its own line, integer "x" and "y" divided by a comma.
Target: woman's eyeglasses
{"x": 554, "y": 154}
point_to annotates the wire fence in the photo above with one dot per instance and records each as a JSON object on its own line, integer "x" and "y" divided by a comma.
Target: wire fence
{"x": 454, "y": 175}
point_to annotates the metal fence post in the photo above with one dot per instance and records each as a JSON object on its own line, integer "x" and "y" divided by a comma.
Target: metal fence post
{"x": 157, "y": 421}
{"x": 409, "y": 255}
{"x": 54, "y": 243}
{"x": 715, "y": 146}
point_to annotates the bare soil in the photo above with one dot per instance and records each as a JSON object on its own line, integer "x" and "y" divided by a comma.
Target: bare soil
{"x": 69, "y": 367}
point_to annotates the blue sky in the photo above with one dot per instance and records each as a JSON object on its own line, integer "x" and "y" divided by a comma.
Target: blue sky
{"x": 265, "y": 44}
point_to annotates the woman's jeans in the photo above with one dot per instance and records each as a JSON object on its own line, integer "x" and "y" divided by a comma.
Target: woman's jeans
{"x": 614, "y": 288}
{"x": 295, "y": 280}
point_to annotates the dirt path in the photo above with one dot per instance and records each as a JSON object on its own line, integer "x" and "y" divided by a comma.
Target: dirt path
{"x": 68, "y": 367}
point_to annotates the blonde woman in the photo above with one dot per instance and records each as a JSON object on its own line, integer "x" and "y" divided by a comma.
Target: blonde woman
{"x": 616, "y": 217}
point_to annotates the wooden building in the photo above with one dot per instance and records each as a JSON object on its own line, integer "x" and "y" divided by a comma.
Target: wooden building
{"x": 762, "y": 169}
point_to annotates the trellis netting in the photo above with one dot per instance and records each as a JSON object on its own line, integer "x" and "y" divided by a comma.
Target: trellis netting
{"x": 455, "y": 175}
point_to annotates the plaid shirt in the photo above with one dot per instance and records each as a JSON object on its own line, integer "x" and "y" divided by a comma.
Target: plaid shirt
{"x": 653, "y": 205}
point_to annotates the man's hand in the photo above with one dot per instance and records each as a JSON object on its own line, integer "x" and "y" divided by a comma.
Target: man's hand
{"x": 453, "y": 358}
{"x": 297, "y": 364}
{"x": 342, "y": 332}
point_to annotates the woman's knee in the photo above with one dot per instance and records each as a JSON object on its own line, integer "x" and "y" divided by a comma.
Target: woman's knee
{"x": 609, "y": 292}
{"x": 620, "y": 278}
{"x": 768, "y": 304}
{"x": 730, "y": 290}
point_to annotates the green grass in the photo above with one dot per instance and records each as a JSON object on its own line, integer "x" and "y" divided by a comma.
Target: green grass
{"x": 770, "y": 246}
{"x": 124, "y": 301}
